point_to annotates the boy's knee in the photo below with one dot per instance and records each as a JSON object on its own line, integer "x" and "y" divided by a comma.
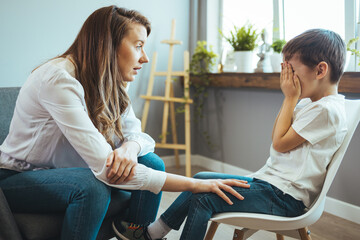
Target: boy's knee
{"x": 203, "y": 200}
{"x": 153, "y": 161}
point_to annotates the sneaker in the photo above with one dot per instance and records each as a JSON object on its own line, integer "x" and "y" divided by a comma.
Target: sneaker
{"x": 130, "y": 231}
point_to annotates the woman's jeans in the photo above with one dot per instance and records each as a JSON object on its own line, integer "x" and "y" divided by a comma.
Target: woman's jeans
{"x": 261, "y": 197}
{"x": 75, "y": 191}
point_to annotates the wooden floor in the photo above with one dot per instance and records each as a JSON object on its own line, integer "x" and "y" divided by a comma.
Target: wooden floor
{"x": 329, "y": 227}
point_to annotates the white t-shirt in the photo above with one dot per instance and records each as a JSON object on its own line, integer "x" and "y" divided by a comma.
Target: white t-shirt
{"x": 51, "y": 128}
{"x": 301, "y": 172}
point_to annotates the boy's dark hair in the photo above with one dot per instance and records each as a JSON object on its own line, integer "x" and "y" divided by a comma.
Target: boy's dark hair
{"x": 316, "y": 45}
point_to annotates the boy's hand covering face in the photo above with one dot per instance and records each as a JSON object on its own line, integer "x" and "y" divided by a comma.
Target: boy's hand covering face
{"x": 289, "y": 82}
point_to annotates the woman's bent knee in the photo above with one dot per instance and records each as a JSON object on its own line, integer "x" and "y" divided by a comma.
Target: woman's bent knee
{"x": 88, "y": 186}
{"x": 205, "y": 175}
{"x": 153, "y": 161}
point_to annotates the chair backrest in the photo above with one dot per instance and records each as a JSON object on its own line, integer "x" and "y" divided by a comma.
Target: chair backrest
{"x": 352, "y": 108}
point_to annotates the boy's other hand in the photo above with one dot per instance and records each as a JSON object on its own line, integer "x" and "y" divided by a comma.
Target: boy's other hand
{"x": 289, "y": 82}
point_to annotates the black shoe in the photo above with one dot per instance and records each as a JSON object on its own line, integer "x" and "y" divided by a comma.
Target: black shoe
{"x": 130, "y": 231}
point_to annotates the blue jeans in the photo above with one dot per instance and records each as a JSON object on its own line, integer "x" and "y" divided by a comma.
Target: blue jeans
{"x": 261, "y": 197}
{"x": 144, "y": 205}
{"x": 77, "y": 192}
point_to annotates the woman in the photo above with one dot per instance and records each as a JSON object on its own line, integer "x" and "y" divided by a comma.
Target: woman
{"x": 73, "y": 122}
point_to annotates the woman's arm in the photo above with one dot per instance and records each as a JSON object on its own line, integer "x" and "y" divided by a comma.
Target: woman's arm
{"x": 137, "y": 143}
{"x": 63, "y": 100}
{"x": 176, "y": 183}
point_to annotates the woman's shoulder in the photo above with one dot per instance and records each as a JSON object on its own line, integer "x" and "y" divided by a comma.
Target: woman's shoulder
{"x": 56, "y": 73}
{"x": 58, "y": 65}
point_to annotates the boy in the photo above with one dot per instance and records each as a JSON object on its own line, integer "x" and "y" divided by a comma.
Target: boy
{"x": 305, "y": 137}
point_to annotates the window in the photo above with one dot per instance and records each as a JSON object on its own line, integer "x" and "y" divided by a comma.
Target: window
{"x": 306, "y": 14}
{"x": 240, "y": 12}
{"x": 285, "y": 19}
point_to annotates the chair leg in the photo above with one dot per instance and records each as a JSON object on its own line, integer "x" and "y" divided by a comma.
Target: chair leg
{"x": 304, "y": 233}
{"x": 238, "y": 234}
{"x": 279, "y": 237}
{"x": 211, "y": 232}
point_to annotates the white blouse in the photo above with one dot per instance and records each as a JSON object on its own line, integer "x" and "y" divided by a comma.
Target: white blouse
{"x": 51, "y": 128}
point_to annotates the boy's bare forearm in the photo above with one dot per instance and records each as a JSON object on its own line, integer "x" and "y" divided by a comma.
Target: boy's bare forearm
{"x": 284, "y": 119}
{"x": 277, "y": 117}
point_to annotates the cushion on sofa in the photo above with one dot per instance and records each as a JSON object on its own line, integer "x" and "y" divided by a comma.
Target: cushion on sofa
{"x": 8, "y": 98}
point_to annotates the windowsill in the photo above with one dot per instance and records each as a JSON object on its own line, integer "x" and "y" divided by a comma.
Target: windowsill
{"x": 350, "y": 82}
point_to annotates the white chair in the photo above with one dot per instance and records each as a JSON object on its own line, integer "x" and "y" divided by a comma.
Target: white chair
{"x": 295, "y": 227}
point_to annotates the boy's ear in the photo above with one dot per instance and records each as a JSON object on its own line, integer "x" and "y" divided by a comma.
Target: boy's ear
{"x": 322, "y": 69}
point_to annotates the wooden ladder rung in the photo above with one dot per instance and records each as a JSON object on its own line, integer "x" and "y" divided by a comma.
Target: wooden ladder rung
{"x": 174, "y": 74}
{"x": 172, "y": 42}
{"x": 170, "y": 146}
{"x": 170, "y": 99}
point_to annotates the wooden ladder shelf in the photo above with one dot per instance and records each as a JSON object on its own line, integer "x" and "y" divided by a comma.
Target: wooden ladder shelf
{"x": 169, "y": 101}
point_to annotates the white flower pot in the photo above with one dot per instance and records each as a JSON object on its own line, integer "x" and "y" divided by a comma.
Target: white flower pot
{"x": 244, "y": 61}
{"x": 276, "y": 60}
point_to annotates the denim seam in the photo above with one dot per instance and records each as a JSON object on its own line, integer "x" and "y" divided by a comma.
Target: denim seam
{"x": 139, "y": 208}
{"x": 78, "y": 223}
{"x": 184, "y": 234}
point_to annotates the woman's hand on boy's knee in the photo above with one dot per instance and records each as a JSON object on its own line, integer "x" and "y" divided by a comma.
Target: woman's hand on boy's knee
{"x": 121, "y": 163}
{"x": 218, "y": 186}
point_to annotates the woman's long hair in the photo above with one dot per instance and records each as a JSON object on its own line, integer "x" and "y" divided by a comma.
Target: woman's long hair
{"x": 94, "y": 54}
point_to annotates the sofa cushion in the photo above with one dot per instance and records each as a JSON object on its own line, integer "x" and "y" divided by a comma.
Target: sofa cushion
{"x": 8, "y": 98}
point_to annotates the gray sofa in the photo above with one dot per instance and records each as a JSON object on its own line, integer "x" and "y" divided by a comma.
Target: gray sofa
{"x": 15, "y": 225}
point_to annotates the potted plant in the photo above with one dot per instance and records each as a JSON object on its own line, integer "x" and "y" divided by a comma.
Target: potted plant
{"x": 203, "y": 60}
{"x": 243, "y": 40}
{"x": 276, "y": 57}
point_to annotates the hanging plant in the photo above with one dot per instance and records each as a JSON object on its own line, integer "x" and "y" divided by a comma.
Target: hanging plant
{"x": 202, "y": 61}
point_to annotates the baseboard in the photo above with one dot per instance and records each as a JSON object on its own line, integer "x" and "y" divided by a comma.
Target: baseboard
{"x": 333, "y": 206}
{"x": 343, "y": 209}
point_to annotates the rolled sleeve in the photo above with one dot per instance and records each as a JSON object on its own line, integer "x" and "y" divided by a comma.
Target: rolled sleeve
{"x": 145, "y": 179}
